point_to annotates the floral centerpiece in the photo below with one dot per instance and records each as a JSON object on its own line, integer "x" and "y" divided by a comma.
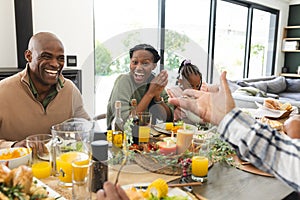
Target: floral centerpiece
{"x": 152, "y": 160}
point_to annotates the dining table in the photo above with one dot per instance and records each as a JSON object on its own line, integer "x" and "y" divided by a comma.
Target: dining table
{"x": 224, "y": 182}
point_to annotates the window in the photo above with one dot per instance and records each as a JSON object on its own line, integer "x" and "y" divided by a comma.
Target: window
{"x": 186, "y": 32}
{"x": 236, "y": 36}
{"x": 245, "y": 40}
{"x": 230, "y": 39}
{"x": 262, "y": 43}
{"x": 119, "y": 25}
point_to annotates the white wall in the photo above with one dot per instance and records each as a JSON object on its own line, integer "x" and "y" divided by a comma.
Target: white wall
{"x": 8, "y": 46}
{"x": 293, "y": 2}
{"x": 72, "y": 22}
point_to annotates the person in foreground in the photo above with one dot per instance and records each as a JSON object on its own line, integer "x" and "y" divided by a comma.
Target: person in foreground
{"x": 141, "y": 84}
{"x": 38, "y": 97}
{"x": 266, "y": 148}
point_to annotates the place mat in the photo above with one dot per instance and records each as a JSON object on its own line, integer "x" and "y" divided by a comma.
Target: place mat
{"x": 65, "y": 192}
{"x": 148, "y": 162}
{"x": 134, "y": 175}
{"x": 246, "y": 166}
{"x": 153, "y": 165}
{"x": 52, "y": 182}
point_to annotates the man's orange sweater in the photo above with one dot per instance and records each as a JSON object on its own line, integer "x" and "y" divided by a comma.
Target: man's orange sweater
{"x": 22, "y": 115}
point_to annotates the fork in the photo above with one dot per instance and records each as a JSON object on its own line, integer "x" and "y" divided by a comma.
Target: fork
{"x": 122, "y": 165}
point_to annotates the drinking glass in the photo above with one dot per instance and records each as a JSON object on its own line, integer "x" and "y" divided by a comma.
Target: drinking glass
{"x": 200, "y": 146}
{"x": 81, "y": 179}
{"x": 40, "y": 147}
{"x": 184, "y": 140}
{"x": 142, "y": 130}
{"x": 71, "y": 141}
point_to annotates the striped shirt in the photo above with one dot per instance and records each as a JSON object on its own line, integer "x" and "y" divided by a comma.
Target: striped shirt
{"x": 264, "y": 147}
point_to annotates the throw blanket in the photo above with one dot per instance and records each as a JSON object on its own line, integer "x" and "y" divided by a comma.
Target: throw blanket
{"x": 251, "y": 91}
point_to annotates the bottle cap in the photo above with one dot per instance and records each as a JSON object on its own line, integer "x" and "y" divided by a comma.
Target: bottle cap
{"x": 100, "y": 150}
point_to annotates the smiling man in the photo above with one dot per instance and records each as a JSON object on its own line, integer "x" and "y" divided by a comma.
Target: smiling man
{"x": 39, "y": 96}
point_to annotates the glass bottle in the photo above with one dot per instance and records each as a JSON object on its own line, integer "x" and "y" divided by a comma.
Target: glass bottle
{"x": 135, "y": 127}
{"x": 117, "y": 126}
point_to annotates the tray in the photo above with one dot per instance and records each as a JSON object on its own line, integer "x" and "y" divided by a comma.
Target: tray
{"x": 246, "y": 166}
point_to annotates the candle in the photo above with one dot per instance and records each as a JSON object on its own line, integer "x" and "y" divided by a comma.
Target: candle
{"x": 167, "y": 147}
{"x": 184, "y": 140}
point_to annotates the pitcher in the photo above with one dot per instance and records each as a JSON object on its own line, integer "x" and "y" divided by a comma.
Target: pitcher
{"x": 71, "y": 141}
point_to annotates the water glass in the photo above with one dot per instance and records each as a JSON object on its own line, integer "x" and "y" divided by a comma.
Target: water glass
{"x": 81, "y": 180}
{"x": 200, "y": 159}
{"x": 40, "y": 147}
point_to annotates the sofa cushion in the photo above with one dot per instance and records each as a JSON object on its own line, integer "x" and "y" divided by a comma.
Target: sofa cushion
{"x": 276, "y": 85}
{"x": 262, "y": 85}
{"x": 293, "y": 85}
{"x": 290, "y": 95}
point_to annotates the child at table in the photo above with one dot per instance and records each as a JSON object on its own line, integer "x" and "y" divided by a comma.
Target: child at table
{"x": 189, "y": 77}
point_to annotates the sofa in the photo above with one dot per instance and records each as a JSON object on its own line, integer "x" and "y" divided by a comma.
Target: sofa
{"x": 246, "y": 91}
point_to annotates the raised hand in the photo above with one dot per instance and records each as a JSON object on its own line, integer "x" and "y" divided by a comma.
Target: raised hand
{"x": 210, "y": 106}
{"x": 158, "y": 84}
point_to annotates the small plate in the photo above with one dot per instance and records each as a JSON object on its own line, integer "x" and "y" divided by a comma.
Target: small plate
{"x": 51, "y": 192}
{"x": 172, "y": 191}
{"x": 271, "y": 113}
{"x": 161, "y": 127}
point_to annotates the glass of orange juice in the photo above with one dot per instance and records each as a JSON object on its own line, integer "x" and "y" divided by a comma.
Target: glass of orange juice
{"x": 71, "y": 141}
{"x": 40, "y": 147}
{"x": 81, "y": 179}
{"x": 200, "y": 148}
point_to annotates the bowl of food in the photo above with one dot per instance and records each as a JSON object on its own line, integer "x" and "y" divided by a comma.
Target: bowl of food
{"x": 14, "y": 157}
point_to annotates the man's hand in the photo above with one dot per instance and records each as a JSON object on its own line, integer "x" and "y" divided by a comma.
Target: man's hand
{"x": 210, "y": 106}
{"x": 111, "y": 192}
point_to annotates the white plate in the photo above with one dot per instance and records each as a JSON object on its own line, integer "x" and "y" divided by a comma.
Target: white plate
{"x": 51, "y": 192}
{"x": 172, "y": 191}
{"x": 265, "y": 111}
{"x": 161, "y": 127}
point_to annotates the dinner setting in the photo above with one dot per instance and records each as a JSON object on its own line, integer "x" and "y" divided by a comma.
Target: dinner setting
{"x": 176, "y": 166}
{"x": 184, "y": 142}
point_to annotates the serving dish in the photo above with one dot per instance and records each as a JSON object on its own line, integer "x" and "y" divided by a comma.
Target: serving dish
{"x": 264, "y": 111}
{"x": 51, "y": 192}
{"x": 15, "y": 157}
{"x": 171, "y": 192}
{"x": 248, "y": 167}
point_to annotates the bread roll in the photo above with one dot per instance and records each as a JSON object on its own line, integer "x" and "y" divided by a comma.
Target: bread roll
{"x": 272, "y": 104}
